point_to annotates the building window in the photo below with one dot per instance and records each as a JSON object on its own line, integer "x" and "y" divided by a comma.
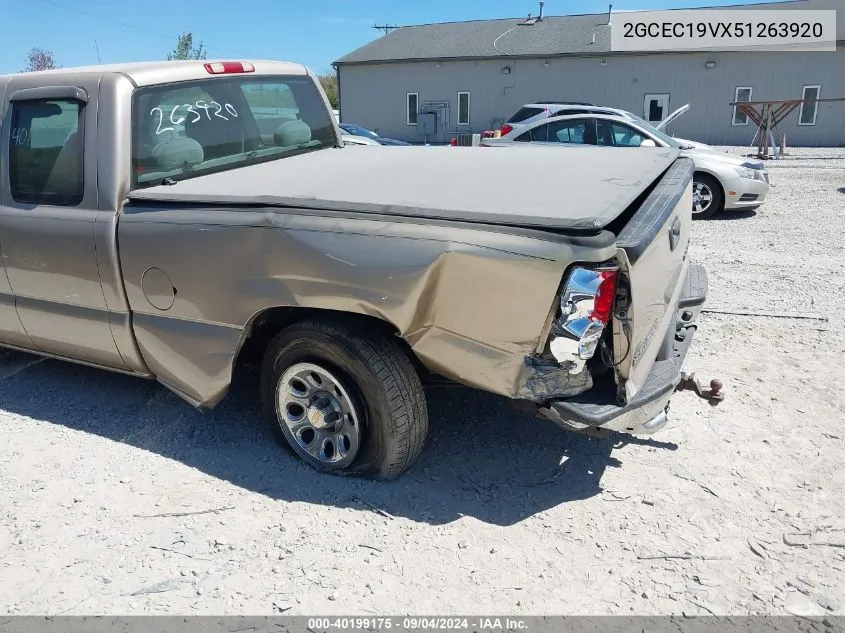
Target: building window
{"x": 463, "y": 108}
{"x": 807, "y": 114}
{"x": 741, "y": 94}
{"x": 45, "y": 152}
{"x": 411, "y": 108}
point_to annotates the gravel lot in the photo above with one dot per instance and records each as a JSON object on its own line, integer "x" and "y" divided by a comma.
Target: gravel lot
{"x": 489, "y": 520}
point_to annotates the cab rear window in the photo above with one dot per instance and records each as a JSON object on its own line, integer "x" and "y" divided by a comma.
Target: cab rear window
{"x": 193, "y": 128}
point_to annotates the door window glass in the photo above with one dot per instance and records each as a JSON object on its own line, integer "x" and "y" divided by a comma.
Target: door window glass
{"x": 573, "y": 131}
{"x": 617, "y": 134}
{"x": 46, "y": 152}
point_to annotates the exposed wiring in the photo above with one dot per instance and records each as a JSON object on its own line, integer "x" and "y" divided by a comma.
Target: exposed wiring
{"x": 605, "y": 352}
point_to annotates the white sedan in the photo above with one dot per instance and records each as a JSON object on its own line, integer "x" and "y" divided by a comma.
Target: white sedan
{"x": 721, "y": 181}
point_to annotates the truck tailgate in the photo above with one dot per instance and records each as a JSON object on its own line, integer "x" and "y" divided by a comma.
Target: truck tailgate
{"x": 652, "y": 255}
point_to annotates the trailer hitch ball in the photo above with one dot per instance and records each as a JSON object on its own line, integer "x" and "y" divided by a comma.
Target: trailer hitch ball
{"x": 715, "y": 387}
{"x": 713, "y": 395}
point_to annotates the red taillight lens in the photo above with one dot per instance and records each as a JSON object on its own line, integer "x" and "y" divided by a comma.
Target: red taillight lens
{"x": 605, "y": 295}
{"x": 507, "y": 129}
{"x": 226, "y": 68}
{"x": 454, "y": 141}
{"x": 586, "y": 305}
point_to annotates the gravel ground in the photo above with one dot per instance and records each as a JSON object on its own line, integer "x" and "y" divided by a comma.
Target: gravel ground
{"x": 739, "y": 500}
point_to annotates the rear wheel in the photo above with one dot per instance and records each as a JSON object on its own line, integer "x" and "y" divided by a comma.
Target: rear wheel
{"x": 343, "y": 400}
{"x": 707, "y": 196}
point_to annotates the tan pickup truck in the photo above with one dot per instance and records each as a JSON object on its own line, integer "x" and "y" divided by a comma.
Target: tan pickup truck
{"x": 171, "y": 219}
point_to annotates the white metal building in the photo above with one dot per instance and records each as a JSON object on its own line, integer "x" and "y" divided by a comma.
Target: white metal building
{"x": 473, "y": 75}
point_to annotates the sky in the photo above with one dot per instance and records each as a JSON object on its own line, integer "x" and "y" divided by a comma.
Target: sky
{"x": 312, "y": 32}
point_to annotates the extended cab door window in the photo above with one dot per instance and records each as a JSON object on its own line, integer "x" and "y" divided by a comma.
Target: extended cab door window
{"x": 46, "y": 152}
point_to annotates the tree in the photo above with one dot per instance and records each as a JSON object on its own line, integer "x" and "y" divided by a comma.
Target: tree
{"x": 185, "y": 48}
{"x": 39, "y": 59}
{"x": 329, "y": 83}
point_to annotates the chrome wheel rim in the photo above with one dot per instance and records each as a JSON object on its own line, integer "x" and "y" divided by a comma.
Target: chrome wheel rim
{"x": 316, "y": 409}
{"x": 702, "y": 197}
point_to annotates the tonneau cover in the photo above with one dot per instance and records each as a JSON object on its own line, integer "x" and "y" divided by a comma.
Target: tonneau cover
{"x": 577, "y": 187}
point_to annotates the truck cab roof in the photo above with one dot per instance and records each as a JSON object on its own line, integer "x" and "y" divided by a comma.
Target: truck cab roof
{"x": 159, "y": 72}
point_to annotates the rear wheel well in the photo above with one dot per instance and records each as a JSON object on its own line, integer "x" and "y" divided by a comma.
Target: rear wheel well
{"x": 268, "y": 323}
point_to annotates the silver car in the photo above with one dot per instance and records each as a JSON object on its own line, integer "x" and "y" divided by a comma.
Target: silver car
{"x": 721, "y": 181}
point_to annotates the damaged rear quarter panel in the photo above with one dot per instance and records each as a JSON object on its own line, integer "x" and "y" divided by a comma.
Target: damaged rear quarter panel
{"x": 472, "y": 302}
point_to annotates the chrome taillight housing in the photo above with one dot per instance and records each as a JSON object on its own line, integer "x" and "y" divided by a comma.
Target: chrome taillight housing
{"x": 586, "y": 305}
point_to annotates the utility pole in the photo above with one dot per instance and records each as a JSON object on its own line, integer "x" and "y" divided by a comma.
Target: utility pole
{"x": 387, "y": 28}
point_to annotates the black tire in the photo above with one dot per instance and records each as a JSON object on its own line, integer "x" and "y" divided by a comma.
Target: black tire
{"x": 702, "y": 181}
{"x": 379, "y": 379}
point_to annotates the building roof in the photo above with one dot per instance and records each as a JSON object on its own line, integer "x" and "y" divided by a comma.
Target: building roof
{"x": 552, "y": 36}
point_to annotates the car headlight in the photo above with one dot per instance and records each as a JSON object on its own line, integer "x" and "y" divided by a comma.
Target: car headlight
{"x": 752, "y": 171}
{"x": 745, "y": 172}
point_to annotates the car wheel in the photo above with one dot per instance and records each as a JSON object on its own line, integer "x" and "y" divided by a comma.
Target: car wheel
{"x": 707, "y": 196}
{"x": 346, "y": 401}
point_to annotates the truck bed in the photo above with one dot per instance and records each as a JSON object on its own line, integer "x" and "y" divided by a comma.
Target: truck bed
{"x": 581, "y": 189}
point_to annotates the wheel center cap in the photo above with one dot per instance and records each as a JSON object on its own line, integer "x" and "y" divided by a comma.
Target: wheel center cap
{"x": 323, "y": 412}
{"x": 317, "y": 418}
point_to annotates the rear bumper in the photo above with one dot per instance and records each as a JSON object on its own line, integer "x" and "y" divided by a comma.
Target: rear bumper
{"x": 645, "y": 412}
